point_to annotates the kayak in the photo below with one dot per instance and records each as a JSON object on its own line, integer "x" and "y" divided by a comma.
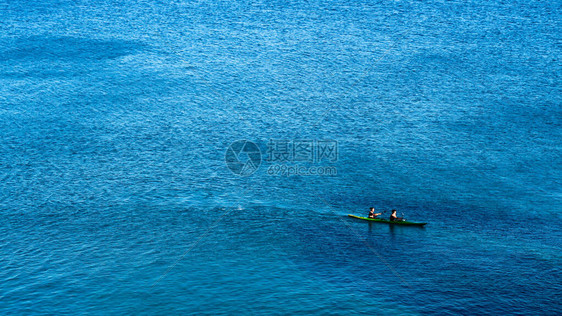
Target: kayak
{"x": 386, "y": 221}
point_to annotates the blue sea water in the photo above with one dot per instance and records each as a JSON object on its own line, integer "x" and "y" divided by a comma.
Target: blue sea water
{"x": 116, "y": 116}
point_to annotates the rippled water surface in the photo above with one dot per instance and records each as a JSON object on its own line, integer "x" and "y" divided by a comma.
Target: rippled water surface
{"x": 115, "y": 119}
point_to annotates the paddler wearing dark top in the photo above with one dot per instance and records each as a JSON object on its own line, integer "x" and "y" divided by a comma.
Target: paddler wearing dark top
{"x": 393, "y": 216}
{"x": 372, "y": 213}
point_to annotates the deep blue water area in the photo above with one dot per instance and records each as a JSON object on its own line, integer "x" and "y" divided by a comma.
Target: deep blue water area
{"x": 117, "y": 120}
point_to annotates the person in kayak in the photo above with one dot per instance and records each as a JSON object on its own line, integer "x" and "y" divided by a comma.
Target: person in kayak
{"x": 393, "y": 216}
{"x": 372, "y": 213}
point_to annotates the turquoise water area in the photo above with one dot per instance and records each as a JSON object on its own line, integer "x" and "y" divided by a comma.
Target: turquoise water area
{"x": 116, "y": 117}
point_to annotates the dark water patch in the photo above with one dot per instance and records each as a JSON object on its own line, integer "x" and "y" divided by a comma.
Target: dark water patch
{"x": 75, "y": 49}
